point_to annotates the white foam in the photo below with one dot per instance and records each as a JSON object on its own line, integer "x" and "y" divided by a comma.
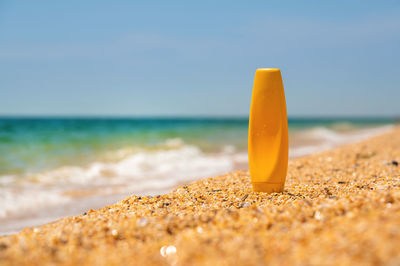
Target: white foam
{"x": 141, "y": 172}
{"x": 22, "y": 201}
{"x": 322, "y": 139}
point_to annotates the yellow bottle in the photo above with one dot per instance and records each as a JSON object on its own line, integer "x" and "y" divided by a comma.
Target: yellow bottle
{"x": 268, "y": 143}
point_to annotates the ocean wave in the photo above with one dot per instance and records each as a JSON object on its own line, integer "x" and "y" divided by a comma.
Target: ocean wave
{"x": 318, "y": 139}
{"x": 140, "y": 172}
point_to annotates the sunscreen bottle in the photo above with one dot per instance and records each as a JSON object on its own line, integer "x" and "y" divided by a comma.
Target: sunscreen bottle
{"x": 268, "y": 144}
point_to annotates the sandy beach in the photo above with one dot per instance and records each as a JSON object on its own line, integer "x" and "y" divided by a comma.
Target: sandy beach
{"x": 338, "y": 207}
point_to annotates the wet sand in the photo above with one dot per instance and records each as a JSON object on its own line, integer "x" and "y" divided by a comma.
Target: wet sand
{"x": 338, "y": 207}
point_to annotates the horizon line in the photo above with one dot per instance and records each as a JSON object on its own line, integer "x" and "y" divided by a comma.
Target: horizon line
{"x": 84, "y": 116}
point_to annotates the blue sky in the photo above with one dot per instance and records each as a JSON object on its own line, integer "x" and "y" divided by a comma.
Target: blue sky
{"x": 197, "y": 57}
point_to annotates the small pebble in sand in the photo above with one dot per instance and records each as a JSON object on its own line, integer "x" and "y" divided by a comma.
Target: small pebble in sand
{"x": 318, "y": 215}
{"x": 167, "y": 250}
{"x": 142, "y": 221}
{"x": 199, "y": 230}
{"x": 114, "y": 232}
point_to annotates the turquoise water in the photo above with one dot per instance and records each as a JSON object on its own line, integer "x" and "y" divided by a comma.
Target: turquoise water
{"x": 35, "y": 144}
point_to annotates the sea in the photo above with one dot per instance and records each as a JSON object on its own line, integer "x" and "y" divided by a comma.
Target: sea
{"x": 53, "y": 167}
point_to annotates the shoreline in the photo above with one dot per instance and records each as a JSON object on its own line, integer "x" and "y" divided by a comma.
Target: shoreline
{"x": 336, "y": 205}
{"x": 32, "y": 206}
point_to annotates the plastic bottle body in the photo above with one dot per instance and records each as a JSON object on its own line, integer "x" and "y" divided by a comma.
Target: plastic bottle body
{"x": 268, "y": 144}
